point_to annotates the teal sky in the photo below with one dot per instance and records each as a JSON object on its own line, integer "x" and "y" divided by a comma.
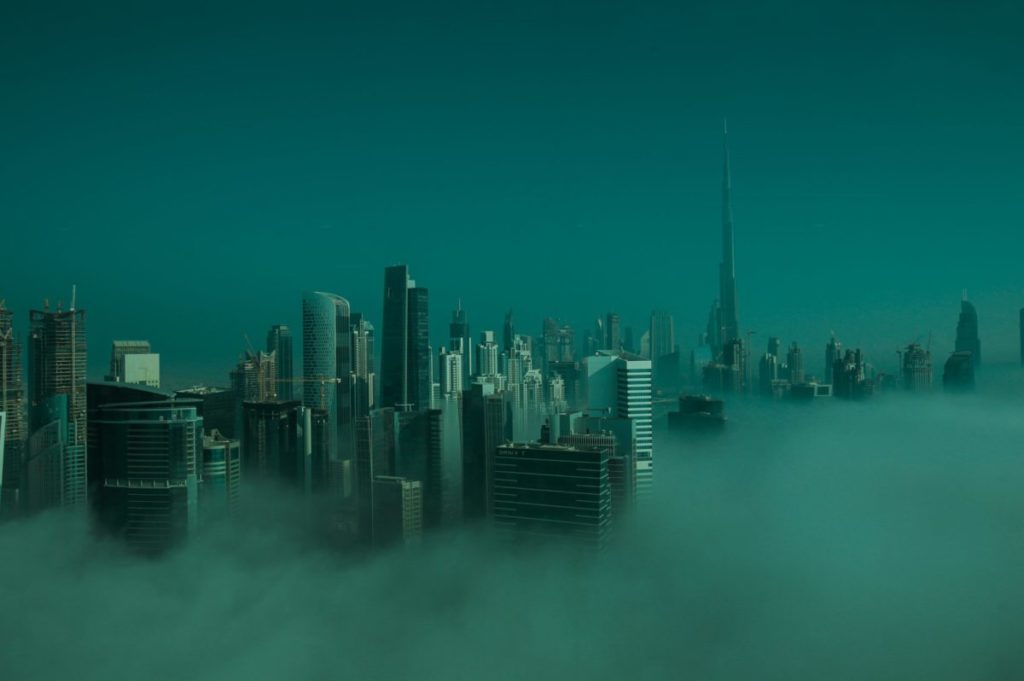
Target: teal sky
{"x": 193, "y": 168}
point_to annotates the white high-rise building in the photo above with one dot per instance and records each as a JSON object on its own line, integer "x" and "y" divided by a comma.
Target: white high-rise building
{"x": 620, "y": 385}
{"x": 133, "y": 362}
{"x": 487, "y": 355}
{"x": 450, "y": 373}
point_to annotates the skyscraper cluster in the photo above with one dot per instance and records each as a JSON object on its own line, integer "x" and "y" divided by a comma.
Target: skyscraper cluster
{"x": 546, "y": 436}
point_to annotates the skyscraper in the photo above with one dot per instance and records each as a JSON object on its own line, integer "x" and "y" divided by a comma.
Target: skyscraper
{"x": 487, "y": 356}
{"x": 509, "y": 332}
{"x": 57, "y": 403}
{"x": 967, "y": 331}
{"x": 134, "y": 362}
{"x": 917, "y": 368}
{"x": 271, "y": 448}
{"x": 958, "y": 373}
{"x": 833, "y": 353}
{"x": 795, "y": 364}
{"x": 327, "y": 366}
{"x": 613, "y": 332}
{"x": 405, "y": 342}
{"x": 544, "y": 490}
{"x": 364, "y": 385}
{"x": 727, "y": 314}
{"x": 152, "y": 458}
{"x": 279, "y": 342}
{"x": 397, "y": 511}
{"x": 620, "y": 385}
{"x": 459, "y": 340}
{"x": 221, "y": 481}
{"x": 12, "y": 403}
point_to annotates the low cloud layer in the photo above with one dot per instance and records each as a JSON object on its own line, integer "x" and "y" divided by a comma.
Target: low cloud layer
{"x": 831, "y": 541}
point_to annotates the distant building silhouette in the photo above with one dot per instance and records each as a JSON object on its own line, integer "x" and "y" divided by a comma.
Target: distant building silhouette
{"x": 958, "y": 372}
{"x": 728, "y": 319}
{"x": 967, "y": 332}
{"x": 279, "y": 344}
{"x": 917, "y": 368}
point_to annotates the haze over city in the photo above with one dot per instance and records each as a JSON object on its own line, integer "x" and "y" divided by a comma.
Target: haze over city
{"x": 473, "y": 340}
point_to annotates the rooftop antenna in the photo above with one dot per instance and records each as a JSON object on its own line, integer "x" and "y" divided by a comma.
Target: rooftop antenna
{"x": 74, "y": 295}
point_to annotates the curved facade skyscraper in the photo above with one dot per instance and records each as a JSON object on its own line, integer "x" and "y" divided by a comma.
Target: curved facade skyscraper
{"x": 326, "y": 360}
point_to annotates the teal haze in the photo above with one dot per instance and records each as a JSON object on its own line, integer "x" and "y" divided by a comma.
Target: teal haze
{"x": 194, "y": 169}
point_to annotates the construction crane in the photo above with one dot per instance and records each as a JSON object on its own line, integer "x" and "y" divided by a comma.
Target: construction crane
{"x": 322, "y": 380}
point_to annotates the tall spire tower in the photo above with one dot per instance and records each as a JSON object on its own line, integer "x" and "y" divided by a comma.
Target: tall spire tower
{"x": 729, "y": 321}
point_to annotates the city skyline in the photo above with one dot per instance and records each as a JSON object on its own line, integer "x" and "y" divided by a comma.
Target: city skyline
{"x": 900, "y": 157}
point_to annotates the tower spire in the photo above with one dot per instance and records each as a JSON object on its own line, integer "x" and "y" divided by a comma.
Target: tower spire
{"x": 727, "y": 268}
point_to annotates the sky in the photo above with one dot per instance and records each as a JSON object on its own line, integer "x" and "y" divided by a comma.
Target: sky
{"x": 193, "y": 167}
{"x": 829, "y": 540}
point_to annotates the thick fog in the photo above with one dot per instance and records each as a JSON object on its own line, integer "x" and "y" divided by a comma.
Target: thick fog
{"x": 824, "y": 541}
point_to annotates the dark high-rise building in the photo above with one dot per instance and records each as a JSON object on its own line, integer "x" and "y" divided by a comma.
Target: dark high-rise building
{"x": 833, "y": 353}
{"x": 795, "y": 364}
{"x": 219, "y": 490}
{"x": 152, "y": 457}
{"x": 397, "y": 511}
{"x": 917, "y": 368}
{"x": 98, "y": 395}
{"x": 1022, "y": 336}
{"x": 442, "y": 503}
{"x": 484, "y": 418}
{"x": 420, "y": 356}
{"x": 364, "y": 379}
{"x": 544, "y": 490}
{"x": 460, "y": 341}
{"x": 958, "y": 373}
{"x": 216, "y": 406}
{"x": 727, "y": 313}
{"x": 849, "y": 377}
{"x": 967, "y": 332}
{"x": 768, "y": 374}
{"x": 509, "y": 333}
{"x": 375, "y": 453}
{"x": 279, "y": 343}
{"x": 57, "y": 403}
{"x": 612, "y": 332}
{"x": 270, "y": 444}
{"x": 405, "y": 343}
{"x": 327, "y": 366}
{"x": 12, "y": 403}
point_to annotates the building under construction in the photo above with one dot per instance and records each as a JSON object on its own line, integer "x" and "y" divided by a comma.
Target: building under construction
{"x": 12, "y": 404}
{"x": 55, "y": 463}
